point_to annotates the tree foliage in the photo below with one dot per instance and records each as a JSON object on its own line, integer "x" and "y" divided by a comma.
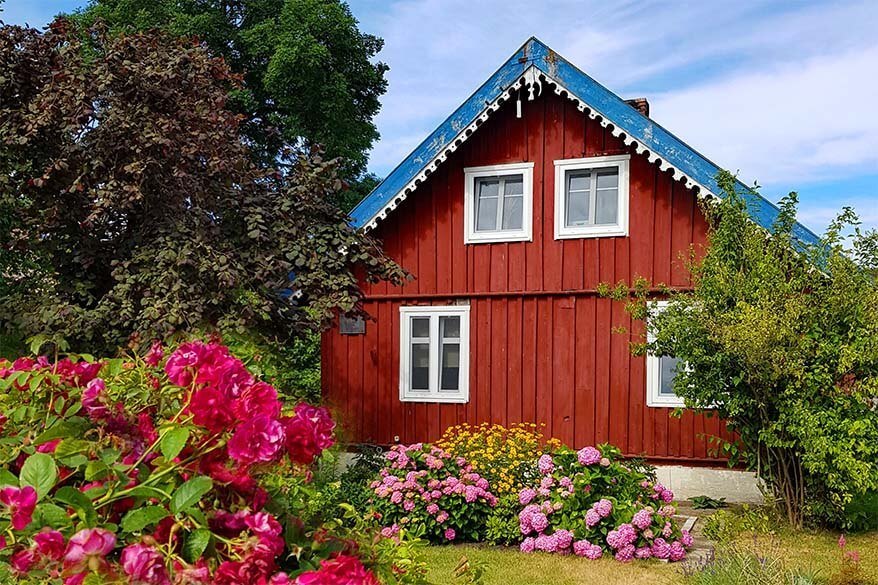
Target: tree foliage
{"x": 136, "y": 206}
{"x": 781, "y": 340}
{"x": 307, "y": 71}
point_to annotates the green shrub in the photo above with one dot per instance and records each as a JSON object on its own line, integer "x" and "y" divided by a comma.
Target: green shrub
{"x": 354, "y": 481}
{"x": 502, "y": 527}
{"x": 861, "y": 514}
{"x": 725, "y": 526}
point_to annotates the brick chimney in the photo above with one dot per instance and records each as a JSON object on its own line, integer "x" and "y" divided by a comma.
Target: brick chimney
{"x": 639, "y": 104}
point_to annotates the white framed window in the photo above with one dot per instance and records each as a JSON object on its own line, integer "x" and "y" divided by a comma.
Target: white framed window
{"x": 660, "y": 372}
{"x": 434, "y": 354}
{"x": 498, "y": 203}
{"x": 591, "y": 197}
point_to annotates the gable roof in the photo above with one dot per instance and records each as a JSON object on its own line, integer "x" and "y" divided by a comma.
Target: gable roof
{"x": 537, "y": 68}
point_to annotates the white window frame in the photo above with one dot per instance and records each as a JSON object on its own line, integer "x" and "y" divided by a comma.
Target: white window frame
{"x": 654, "y": 397}
{"x": 434, "y": 394}
{"x": 471, "y": 174}
{"x": 562, "y": 167}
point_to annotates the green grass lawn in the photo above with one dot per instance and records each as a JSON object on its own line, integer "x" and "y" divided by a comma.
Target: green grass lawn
{"x": 812, "y": 550}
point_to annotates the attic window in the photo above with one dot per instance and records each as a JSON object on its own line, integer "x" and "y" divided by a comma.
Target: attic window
{"x": 498, "y": 203}
{"x": 591, "y": 197}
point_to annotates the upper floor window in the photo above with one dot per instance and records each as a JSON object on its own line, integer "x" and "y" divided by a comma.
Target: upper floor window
{"x": 591, "y": 197}
{"x": 498, "y": 203}
{"x": 660, "y": 372}
{"x": 434, "y": 354}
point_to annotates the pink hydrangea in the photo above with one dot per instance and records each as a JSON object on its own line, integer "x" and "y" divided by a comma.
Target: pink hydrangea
{"x": 539, "y": 522}
{"x": 19, "y": 504}
{"x": 527, "y": 545}
{"x": 584, "y": 548}
{"x": 677, "y": 552}
{"x": 686, "y": 538}
{"x": 449, "y": 534}
{"x": 545, "y": 464}
{"x": 588, "y": 456}
{"x": 621, "y": 536}
{"x": 563, "y": 538}
{"x": 604, "y": 507}
{"x": 643, "y": 518}
{"x": 626, "y": 553}
{"x": 592, "y": 518}
{"x": 545, "y": 543}
{"x": 525, "y": 496}
{"x": 144, "y": 565}
{"x": 643, "y": 552}
{"x": 660, "y": 549}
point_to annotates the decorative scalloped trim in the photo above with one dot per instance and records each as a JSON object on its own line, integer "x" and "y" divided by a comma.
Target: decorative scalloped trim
{"x": 532, "y": 79}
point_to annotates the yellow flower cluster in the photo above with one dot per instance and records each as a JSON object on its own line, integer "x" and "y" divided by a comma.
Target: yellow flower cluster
{"x": 505, "y": 456}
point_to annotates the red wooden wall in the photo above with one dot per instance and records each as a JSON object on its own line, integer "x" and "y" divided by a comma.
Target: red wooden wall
{"x": 543, "y": 346}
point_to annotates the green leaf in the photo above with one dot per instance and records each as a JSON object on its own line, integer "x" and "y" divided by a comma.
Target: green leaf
{"x": 79, "y": 502}
{"x": 39, "y": 472}
{"x": 51, "y": 515}
{"x": 69, "y": 447}
{"x": 139, "y": 518}
{"x": 190, "y": 493}
{"x": 195, "y": 545}
{"x": 63, "y": 430}
{"x": 173, "y": 442}
{"x": 7, "y": 478}
{"x": 96, "y": 470}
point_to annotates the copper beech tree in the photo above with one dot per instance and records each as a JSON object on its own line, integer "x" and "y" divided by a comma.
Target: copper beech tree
{"x": 131, "y": 203}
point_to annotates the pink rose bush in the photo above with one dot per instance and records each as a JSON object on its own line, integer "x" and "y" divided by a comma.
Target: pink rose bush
{"x": 164, "y": 470}
{"x": 423, "y": 485}
{"x": 590, "y": 504}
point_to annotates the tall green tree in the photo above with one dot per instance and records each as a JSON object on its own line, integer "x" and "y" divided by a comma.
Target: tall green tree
{"x": 308, "y": 73}
{"x": 781, "y": 341}
{"x": 135, "y": 206}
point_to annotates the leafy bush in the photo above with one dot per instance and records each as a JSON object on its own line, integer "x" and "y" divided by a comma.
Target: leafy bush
{"x": 505, "y": 456}
{"x": 758, "y": 562}
{"x": 431, "y": 493}
{"x": 861, "y": 513}
{"x": 588, "y": 502}
{"x": 501, "y": 526}
{"x": 724, "y": 526}
{"x": 354, "y": 481}
{"x": 123, "y": 469}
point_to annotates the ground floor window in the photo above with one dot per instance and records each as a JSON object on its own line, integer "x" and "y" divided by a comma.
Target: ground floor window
{"x": 434, "y": 354}
{"x": 660, "y": 372}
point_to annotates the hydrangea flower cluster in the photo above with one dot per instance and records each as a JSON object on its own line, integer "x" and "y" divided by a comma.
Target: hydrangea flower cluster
{"x": 425, "y": 484}
{"x": 190, "y": 450}
{"x": 589, "y": 503}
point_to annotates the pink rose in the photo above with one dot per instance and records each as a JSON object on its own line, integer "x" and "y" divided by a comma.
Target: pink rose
{"x": 20, "y": 504}
{"x": 258, "y": 440}
{"x": 144, "y": 564}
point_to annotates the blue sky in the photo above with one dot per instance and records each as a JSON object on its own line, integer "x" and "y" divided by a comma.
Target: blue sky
{"x": 784, "y": 92}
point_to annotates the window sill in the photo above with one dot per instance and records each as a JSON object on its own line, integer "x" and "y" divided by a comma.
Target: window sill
{"x": 497, "y": 238}
{"x": 576, "y": 233}
{"x": 435, "y": 399}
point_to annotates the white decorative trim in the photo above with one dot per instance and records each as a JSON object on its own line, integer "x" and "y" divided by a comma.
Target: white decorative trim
{"x": 532, "y": 77}
{"x": 434, "y": 394}
{"x": 525, "y": 234}
{"x": 620, "y": 228}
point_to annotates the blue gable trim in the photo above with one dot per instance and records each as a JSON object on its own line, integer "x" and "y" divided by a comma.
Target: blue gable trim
{"x": 652, "y": 136}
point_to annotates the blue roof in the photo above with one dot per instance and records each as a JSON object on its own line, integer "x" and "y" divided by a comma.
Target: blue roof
{"x": 650, "y": 136}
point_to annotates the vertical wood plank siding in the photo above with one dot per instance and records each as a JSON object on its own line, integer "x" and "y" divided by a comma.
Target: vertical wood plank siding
{"x": 542, "y": 347}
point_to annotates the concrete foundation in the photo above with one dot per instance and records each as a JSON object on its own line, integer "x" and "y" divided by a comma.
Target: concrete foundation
{"x": 733, "y": 485}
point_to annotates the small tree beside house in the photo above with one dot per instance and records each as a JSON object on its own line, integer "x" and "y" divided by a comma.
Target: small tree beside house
{"x": 781, "y": 340}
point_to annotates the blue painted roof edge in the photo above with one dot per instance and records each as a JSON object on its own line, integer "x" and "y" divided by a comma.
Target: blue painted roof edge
{"x": 592, "y": 94}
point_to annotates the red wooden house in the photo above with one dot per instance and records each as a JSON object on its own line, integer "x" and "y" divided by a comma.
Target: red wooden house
{"x": 541, "y": 186}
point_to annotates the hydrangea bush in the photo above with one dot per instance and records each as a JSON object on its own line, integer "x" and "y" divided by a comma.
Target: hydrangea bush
{"x": 150, "y": 471}
{"x": 589, "y": 503}
{"x": 429, "y": 492}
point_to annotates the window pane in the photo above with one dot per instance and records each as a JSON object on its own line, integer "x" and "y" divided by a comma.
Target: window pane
{"x": 449, "y": 327}
{"x": 450, "y": 366}
{"x": 608, "y": 179}
{"x": 513, "y": 208}
{"x": 514, "y": 185}
{"x": 421, "y": 327}
{"x": 577, "y": 208}
{"x": 579, "y": 181}
{"x": 666, "y": 375}
{"x": 488, "y": 191}
{"x": 420, "y": 366}
{"x": 607, "y": 207}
